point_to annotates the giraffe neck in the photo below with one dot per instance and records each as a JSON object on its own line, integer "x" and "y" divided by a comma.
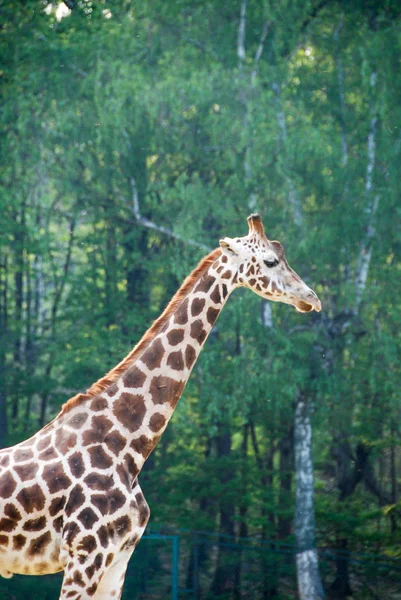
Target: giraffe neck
{"x": 144, "y": 397}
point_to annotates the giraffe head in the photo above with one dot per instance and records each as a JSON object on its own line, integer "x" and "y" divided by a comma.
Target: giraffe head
{"x": 261, "y": 265}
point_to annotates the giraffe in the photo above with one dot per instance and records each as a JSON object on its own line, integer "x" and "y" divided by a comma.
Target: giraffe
{"x": 69, "y": 496}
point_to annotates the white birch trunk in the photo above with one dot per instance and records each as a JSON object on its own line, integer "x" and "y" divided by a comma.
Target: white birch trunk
{"x": 241, "y": 34}
{"x": 308, "y": 577}
{"x": 293, "y": 199}
{"x": 365, "y": 254}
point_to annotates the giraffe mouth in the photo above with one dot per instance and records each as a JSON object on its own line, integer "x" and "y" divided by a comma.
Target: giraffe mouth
{"x": 305, "y": 307}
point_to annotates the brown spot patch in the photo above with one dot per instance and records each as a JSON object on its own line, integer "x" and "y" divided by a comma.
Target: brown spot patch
{"x": 56, "y": 505}
{"x": 108, "y": 503}
{"x": 124, "y": 477}
{"x": 198, "y": 332}
{"x": 31, "y": 498}
{"x": 76, "y": 421}
{"x": 7, "y": 524}
{"x": 123, "y": 525}
{"x": 48, "y": 454}
{"x": 212, "y": 314}
{"x": 130, "y": 410}
{"x": 77, "y": 579}
{"x": 71, "y": 530}
{"x": 90, "y": 571}
{"x": 190, "y": 356}
{"x": 58, "y": 523}
{"x": 12, "y": 512}
{"x": 265, "y": 281}
{"x": 227, "y": 274}
{"x": 4, "y": 460}
{"x": 134, "y": 378}
{"x": 113, "y": 389}
{"x": 215, "y": 295}
{"x": 4, "y": 540}
{"x": 109, "y": 559}
{"x": 144, "y": 511}
{"x": 152, "y": 357}
{"x": 91, "y": 591}
{"x": 55, "y": 477}
{"x": 35, "y": 524}
{"x": 156, "y": 422}
{"x": 97, "y": 431}
{"x": 65, "y": 440}
{"x": 39, "y": 544}
{"x": 75, "y": 500}
{"x": 87, "y": 517}
{"x": 18, "y": 541}
{"x": 205, "y": 283}
{"x": 142, "y": 445}
{"x": 275, "y": 288}
{"x": 224, "y": 258}
{"x": 98, "y": 561}
{"x": 105, "y": 532}
{"x": 26, "y": 472}
{"x": 115, "y": 442}
{"x": 96, "y": 481}
{"x": 76, "y": 465}
{"x": 197, "y": 306}
{"x": 98, "y": 404}
{"x": 224, "y": 290}
{"x": 131, "y": 465}
{"x": 175, "y": 336}
{"x": 181, "y": 314}
{"x": 44, "y": 442}
{"x": 87, "y": 544}
{"x": 99, "y": 458}
{"x": 164, "y": 389}
{"x": 176, "y": 361}
{"x": 23, "y": 455}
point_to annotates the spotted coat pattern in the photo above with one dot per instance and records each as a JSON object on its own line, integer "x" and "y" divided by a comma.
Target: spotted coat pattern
{"x": 69, "y": 496}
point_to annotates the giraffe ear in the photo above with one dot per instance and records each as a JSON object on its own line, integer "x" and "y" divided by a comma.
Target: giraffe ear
{"x": 227, "y": 247}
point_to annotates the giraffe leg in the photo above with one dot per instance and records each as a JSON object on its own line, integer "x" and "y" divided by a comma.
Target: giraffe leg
{"x": 112, "y": 582}
{"x": 95, "y": 570}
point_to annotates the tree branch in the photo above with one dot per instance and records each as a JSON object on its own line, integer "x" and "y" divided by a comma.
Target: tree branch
{"x": 151, "y": 225}
{"x": 259, "y": 52}
{"x": 314, "y": 14}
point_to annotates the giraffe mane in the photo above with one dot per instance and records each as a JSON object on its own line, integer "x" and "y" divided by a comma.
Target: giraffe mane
{"x": 105, "y": 382}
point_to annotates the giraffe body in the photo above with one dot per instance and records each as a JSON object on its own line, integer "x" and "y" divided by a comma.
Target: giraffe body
{"x": 69, "y": 496}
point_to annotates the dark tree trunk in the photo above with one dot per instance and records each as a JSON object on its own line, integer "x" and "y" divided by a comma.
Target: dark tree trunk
{"x": 266, "y": 479}
{"x": 243, "y": 510}
{"x": 3, "y": 337}
{"x": 201, "y": 549}
{"x": 19, "y": 240}
{"x": 224, "y": 575}
{"x": 350, "y": 471}
{"x": 286, "y": 467}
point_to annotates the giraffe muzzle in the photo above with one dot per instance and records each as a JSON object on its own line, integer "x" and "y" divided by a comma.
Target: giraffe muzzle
{"x": 311, "y": 302}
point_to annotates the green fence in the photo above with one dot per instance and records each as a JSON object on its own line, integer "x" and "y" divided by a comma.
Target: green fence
{"x": 179, "y": 565}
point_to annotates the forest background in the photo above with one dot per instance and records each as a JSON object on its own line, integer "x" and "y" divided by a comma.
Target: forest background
{"x": 136, "y": 134}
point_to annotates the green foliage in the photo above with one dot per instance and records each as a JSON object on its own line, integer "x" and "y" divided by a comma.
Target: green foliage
{"x": 154, "y": 93}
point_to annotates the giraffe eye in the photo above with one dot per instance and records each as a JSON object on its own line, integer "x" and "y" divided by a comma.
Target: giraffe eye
{"x": 271, "y": 263}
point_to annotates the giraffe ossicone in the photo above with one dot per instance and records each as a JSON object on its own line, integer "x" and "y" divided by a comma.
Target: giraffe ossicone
{"x": 69, "y": 496}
